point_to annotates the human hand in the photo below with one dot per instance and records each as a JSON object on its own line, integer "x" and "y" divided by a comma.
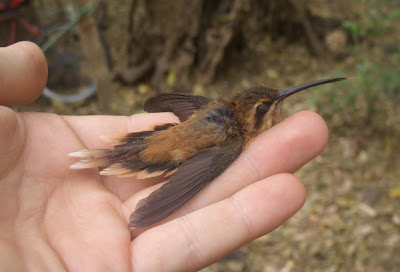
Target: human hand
{"x": 54, "y": 218}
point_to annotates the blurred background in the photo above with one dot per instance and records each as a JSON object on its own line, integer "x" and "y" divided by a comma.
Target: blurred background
{"x": 108, "y": 57}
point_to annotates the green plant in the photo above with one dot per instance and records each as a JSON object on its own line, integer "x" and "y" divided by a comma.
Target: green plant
{"x": 370, "y": 92}
{"x": 355, "y": 29}
{"x": 379, "y": 17}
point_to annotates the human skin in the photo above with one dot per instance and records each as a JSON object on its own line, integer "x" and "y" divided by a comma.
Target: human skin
{"x": 53, "y": 218}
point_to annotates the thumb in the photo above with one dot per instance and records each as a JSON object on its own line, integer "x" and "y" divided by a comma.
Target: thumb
{"x": 12, "y": 139}
{"x": 23, "y": 73}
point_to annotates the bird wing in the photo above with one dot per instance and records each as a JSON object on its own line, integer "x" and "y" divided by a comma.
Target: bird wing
{"x": 187, "y": 181}
{"x": 182, "y": 105}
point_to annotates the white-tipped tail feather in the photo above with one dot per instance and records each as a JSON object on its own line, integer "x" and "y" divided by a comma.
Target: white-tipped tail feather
{"x": 123, "y": 160}
{"x": 90, "y": 163}
{"x": 77, "y": 154}
{"x": 87, "y": 153}
{"x": 116, "y": 170}
{"x": 113, "y": 138}
{"x": 78, "y": 165}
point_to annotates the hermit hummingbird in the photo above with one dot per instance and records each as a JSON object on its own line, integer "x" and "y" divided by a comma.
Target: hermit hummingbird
{"x": 210, "y": 136}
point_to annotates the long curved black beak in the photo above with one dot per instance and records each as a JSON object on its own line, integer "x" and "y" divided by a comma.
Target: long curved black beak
{"x": 285, "y": 93}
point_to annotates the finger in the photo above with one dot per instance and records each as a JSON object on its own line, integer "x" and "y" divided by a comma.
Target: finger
{"x": 89, "y": 129}
{"x": 210, "y": 233}
{"x": 282, "y": 149}
{"x": 23, "y": 73}
{"x": 12, "y": 138}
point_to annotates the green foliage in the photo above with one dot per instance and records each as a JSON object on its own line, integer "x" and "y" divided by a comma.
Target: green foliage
{"x": 368, "y": 94}
{"x": 371, "y": 98}
{"x": 378, "y": 18}
{"x": 355, "y": 29}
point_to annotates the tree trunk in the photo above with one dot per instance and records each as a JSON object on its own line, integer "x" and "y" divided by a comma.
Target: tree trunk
{"x": 176, "y": 43}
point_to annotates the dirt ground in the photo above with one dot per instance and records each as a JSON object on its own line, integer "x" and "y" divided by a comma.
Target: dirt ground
{"x": 351, "y": 219}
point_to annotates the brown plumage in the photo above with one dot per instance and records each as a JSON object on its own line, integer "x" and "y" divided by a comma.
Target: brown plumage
{"x": 211, "y": 135}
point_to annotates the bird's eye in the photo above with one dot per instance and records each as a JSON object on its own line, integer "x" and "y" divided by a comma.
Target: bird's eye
{"x": 264, "y": 107}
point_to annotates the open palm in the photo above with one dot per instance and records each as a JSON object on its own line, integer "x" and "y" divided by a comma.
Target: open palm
{"x": 54, "y": 218}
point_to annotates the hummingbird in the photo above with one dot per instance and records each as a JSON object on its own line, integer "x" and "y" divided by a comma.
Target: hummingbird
{"x": 210, "y": 136}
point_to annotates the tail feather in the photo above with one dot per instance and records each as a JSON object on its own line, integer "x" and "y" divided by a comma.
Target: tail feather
{"x": 96, "y": 153}
{"x": 123, "y": 160}
{"x": 115, "y": 170}
{"x": 144, "y": 174}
